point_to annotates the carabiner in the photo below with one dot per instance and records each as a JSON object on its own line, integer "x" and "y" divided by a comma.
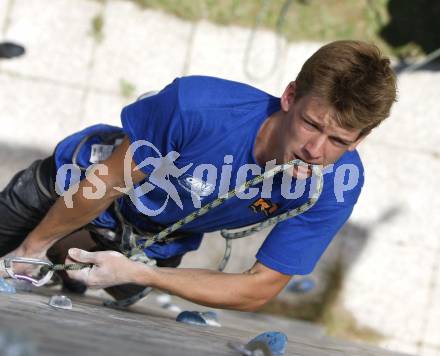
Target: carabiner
{"x": 8, "y": 266}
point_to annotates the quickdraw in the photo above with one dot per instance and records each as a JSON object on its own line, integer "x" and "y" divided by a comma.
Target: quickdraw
{"x": 46, "y": 273}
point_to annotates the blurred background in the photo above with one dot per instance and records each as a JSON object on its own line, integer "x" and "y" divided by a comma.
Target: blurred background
{"x": 84, "y": 60}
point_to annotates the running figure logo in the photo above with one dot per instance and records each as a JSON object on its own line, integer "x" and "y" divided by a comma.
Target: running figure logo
{"x": 164, "y": 168}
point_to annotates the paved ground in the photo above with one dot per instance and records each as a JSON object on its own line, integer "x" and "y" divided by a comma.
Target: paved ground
{"x": 69, "y": 79}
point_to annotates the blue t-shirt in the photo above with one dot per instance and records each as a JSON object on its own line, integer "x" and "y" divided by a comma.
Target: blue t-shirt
{"x": 196, "y": 137}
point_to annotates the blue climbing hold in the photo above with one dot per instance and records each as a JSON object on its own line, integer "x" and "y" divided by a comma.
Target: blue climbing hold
{"x": 192, "y": 318}
{"x": 198, "y": 318}
{"x": 6, "y": 287}
{"x": 209, "y": 315}
{"x": 302, "y": 286}
{"x": 276, "y": 341}
{"x": 210, "y": 318}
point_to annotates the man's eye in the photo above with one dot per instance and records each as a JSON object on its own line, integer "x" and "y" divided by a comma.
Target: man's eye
{"x": 340, "y": 143}
{"x": 310, "y": 124}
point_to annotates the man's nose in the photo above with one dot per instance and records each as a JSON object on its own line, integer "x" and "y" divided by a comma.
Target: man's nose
{"x": 315, "y": 147}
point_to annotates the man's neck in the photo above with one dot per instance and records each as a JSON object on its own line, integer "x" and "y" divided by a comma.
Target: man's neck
{"x": 267, "y": 141}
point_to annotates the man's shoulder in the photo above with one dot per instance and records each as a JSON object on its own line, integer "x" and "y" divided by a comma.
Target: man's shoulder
{"x": 197, "y": 91}
{"x": 215, "y": 83}
{"x": 350, "y": 158}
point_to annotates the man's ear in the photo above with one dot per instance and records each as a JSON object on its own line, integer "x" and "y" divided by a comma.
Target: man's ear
{"x": 288, "y": 97}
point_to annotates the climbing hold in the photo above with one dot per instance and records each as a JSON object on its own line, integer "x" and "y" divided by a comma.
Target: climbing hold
{"x": 301, "y": 286}
{"x": 198, "y": 318}
{"x": 274, "y": 339}
{"x": 210, "y": 317}
{"x": 11, "y": 50}
{"x": 6, "y": 287}
{"x": 60, "y": 302}
{"x": 192, "y": 318}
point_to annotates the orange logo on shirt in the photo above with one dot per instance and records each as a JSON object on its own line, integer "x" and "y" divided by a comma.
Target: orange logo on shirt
{"x": 264, "y": 206}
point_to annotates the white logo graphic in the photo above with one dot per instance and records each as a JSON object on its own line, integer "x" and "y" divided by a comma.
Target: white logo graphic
{"x": 164, "y": 168}
{"x": 201, "y": 183}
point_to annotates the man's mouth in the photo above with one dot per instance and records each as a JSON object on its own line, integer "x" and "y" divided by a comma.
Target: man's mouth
{"x": 300, "y": 158}
{"x": 303, "y": 160}
{"x": 300, "y": 170}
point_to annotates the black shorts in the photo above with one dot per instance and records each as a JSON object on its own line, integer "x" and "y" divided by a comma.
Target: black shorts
{"x": 25, "y": 201}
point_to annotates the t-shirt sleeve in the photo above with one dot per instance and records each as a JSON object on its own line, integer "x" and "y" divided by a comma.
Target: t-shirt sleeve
{"x": 294, "y": 246}
{"x": 154, "y": 123}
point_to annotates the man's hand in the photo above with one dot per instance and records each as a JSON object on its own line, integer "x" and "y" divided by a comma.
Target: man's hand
{"x": 110, "y": 268}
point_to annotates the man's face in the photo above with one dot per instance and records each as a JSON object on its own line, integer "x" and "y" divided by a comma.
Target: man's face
{"x": 310, "y": 133}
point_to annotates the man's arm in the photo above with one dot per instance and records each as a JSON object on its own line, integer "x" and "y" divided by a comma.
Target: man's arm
{"x": 61, "y": 220}
{"x": 246, "y": 291}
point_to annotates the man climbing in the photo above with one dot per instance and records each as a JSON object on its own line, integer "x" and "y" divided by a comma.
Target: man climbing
{"x": 206, "y": 136}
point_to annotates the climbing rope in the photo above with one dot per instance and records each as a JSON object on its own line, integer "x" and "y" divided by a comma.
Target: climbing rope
{"x": 136, "y": 252}
{"x": 160, "y": 237}
{"x": 69, "y": 267}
